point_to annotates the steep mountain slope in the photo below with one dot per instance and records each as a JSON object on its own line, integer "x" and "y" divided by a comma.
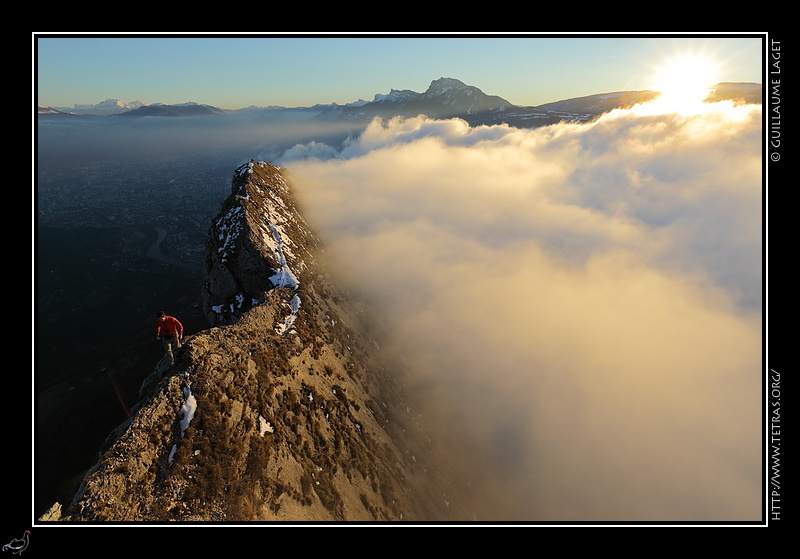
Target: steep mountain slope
{"x": 284, "y": 410}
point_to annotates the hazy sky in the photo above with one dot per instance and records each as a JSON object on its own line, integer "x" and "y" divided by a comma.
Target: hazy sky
{"x": 234, "y": 72}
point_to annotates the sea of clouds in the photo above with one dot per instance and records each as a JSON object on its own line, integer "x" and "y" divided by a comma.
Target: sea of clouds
{"x": 579, "y": 305}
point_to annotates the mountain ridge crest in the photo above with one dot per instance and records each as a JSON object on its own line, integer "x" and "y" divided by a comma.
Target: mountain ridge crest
{"x": 278, "y": 411}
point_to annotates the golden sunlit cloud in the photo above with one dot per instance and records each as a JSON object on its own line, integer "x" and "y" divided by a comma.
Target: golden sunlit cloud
{"x": 564, "y": 349}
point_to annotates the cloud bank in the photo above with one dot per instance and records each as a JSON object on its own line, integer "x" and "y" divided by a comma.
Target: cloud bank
{"x": 579, "y": 305}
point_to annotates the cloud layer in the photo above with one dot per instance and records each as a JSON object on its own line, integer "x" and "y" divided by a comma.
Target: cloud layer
{"x": 580, "y": 305}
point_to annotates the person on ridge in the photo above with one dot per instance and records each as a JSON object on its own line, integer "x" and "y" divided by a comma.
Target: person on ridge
{"x": 170, "y": 331}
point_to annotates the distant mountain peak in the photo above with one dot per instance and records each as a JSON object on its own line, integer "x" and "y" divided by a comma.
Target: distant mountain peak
{"x": 442, "y": 85}
{"x": 181, "y": 110}
{"x": 444, "y": 98}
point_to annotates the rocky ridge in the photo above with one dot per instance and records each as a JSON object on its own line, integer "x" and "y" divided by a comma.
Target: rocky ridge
{"x": 284, "y": 410}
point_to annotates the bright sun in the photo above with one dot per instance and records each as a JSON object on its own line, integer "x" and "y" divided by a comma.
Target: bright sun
{"x": 685, "y": 81}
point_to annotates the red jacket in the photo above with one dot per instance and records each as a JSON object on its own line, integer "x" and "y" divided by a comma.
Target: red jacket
{"x": 168, "y": 326}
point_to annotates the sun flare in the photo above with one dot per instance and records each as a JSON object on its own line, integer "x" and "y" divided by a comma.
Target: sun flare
{"x": 685, "y": 81}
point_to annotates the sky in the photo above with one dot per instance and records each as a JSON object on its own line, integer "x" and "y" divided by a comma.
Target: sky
{"x": 234, "y": 72}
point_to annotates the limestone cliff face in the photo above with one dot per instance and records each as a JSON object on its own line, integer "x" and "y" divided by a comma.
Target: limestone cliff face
{"x": 258, "y": 242}
{"x": 282, "y": 410}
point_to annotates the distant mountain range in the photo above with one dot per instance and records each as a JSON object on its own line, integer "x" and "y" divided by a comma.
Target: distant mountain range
{"x": 444, "y": 98}
{"x": 104, "y": 108}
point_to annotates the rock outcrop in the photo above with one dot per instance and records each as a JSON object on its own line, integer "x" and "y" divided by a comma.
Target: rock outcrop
{"x": 257, "y": 243}
{"x": 283, "y": 410}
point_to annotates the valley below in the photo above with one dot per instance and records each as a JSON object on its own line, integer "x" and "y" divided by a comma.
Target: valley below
{"x": 104, "y": 265}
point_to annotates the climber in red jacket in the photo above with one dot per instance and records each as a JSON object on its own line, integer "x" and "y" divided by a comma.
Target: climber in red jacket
{"x": 170, "y": 331}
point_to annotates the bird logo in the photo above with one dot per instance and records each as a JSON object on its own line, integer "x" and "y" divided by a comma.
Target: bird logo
{"x": 18, "y": 545}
